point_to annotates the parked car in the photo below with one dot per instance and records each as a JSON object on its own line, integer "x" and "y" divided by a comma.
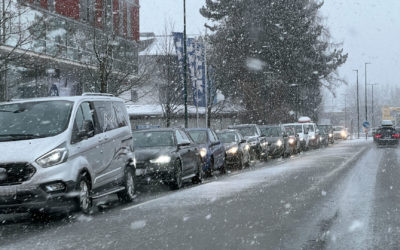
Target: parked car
{"x": 258, "y": 142}
{"x": 323, "y": 136}
{"x": 236, "y": 148}
{"x": 301, "y": 133}
{"x": 387, "y": 136}
{"x": 169, "y": 155}
{"x": 277, "y": 140}
{"x": 340, "y": 132}
{"x": 313, "y": 134}
{"x": 294, "y": 143}
{"x": 328, "y": 129}
{"x": 212, "y": 150}
{"x": 59, "y": 154}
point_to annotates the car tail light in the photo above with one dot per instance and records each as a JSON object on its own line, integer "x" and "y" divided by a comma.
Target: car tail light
{"x": 378, "y": 136}
{"x": 396, "y": 136}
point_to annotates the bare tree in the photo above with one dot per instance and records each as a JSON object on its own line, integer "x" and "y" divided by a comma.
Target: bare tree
{"x": 15, "y": 29}
{"x": 169, "y": 86}
{"x": 114, "y": 67}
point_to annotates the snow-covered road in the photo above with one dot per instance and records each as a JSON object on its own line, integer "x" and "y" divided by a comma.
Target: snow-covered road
{"x": 342, "y": 197}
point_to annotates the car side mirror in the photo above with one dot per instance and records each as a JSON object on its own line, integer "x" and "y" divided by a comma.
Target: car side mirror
{"x": 243, "y": 141}
{"x": 284, "y": 134}
{"x": 88, "y": 130}
{"x": 263, "y": 135}
{"x": 306, "y": 132}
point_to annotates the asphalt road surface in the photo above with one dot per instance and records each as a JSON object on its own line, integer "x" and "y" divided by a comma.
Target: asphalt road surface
{"x": 342, "y": 197}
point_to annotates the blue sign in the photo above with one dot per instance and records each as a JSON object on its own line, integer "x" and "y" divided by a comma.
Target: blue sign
{"x": 366, "y": 124}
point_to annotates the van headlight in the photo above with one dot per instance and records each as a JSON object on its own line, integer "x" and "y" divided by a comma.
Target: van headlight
{"x": 163, "y": 159}
{"x": 52, "y": 158}
{"x": 232, "y": 150}
{"x": 203, "y": 152}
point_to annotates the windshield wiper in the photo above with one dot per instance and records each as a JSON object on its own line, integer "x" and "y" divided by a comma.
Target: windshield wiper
{"x": 12, "y": 111}
{"x": 21, "y": 136}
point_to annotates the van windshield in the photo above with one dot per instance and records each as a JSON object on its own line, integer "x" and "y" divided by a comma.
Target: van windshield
{"x": 30, "y": 120}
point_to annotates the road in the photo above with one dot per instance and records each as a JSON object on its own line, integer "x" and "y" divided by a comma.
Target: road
{"x": 342, "y": 197}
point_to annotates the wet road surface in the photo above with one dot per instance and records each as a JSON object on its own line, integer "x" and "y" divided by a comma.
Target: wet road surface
{"x": 342, "y": 197}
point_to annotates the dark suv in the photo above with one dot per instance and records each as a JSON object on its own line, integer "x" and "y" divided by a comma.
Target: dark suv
{"x": 257, "y": 141}
{"x": 386, "y": 136}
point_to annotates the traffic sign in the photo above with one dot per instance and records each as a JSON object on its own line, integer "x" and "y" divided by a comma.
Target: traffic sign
{"x": 366, "y": 124}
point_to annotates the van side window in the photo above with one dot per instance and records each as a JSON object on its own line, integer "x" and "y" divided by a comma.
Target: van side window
{"x": 106, "y": 116}
{"x": 84, "y": 115}
{"x": 121, "y": 114}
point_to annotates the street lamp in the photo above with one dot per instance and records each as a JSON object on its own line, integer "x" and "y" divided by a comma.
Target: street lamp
{"x": 185, "y": 94}
{"x": 366, "y": 103}
{"x": 372, "y": 98}
{"x": 358, "y": 108}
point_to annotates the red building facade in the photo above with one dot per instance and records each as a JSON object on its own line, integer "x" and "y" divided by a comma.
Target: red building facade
{"x": 125, "y": 13}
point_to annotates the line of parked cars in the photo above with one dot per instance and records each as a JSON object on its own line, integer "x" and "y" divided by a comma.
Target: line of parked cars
{"x": 60, "y": 154}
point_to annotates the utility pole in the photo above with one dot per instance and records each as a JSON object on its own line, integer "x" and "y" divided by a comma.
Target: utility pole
{"x": 185, "y": 66}
{"x": 206, "y": 75}
{"x": 366, "y": 98}
{"x": 372, "y": 99}
{"x": 358, "y": 108}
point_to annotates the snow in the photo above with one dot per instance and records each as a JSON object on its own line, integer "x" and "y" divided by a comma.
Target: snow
{"x": 255, "y": 64}
{"x": 138, "y": 224}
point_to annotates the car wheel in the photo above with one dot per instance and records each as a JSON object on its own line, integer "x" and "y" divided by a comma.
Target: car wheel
{"x": 210, "y": 169}
{"x": 223, "y": 167}
{"x": 128, "y": 194}
{"x": 177, "y": 182}
{"x": 199, "y": 176}
{"x": 84, "y": 199}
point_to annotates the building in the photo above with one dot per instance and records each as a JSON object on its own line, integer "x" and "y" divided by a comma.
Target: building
{"x": 60, "y": 42}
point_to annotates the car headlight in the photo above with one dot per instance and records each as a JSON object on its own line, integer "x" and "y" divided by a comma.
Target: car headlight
{"x": 313, "y": 137}
{"x": 301, "y": 139}
{"x": 232, "y": 150}
{"x": 279, "y": 143}
{"x": 344, "y": 134}
{"x": 52, "y": 158}
{"x": 163, "y": 159}
{"x": 291, "y": 141}
{"x": 247, "y": 147}
{"x": 330, "y": 135}
{"x": 203, "y": 152}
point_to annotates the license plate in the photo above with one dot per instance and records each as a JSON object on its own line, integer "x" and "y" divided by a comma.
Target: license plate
{"x": 8, "y": 191}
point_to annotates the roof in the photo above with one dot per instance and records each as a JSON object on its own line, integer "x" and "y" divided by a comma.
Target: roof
{"x": 156, "y": 130}
{"x": 66, "y": 98}
{"x": 242, "y": 125}
{"x": 197, "y": 129}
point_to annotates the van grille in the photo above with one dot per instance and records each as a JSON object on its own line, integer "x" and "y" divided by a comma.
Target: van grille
{"x": 15, "y": 173}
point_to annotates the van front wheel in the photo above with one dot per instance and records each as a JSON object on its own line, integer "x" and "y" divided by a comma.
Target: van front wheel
{"x": 85, "y": 201}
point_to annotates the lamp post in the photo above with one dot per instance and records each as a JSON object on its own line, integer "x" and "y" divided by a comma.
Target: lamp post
{"x": 185, "y": 94}
{"x": 358, "y": 108}
{"x": 372, "y": 99}
{"x": 366, "y": 98}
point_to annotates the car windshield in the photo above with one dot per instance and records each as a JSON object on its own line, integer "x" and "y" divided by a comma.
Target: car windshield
{"x": 271, "y": 131}
{"x": 153, "y": 139}
{"x": 227, "y": 137}
{"x": 338, "y": 128}
{"x": 199, "y": 136}
{"x": 29, "y": 120}
{"x": 247, "y": 131}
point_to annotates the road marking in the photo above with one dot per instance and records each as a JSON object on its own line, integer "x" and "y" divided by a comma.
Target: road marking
{"x": 141, "y": 204}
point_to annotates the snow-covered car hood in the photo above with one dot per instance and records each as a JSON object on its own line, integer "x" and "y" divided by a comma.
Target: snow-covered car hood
{"x": 251, "y": 138}
{"x": 146, "y": 154}
{"x": 28, "y": 150}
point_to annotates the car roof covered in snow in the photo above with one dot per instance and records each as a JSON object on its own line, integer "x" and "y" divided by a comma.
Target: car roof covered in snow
{"x": 67, "y": 98}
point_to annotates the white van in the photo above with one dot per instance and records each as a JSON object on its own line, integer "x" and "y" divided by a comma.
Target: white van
{"x": 60, "y": 153}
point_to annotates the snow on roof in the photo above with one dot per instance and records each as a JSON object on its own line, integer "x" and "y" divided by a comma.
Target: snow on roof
{"x": 157, "y": 110}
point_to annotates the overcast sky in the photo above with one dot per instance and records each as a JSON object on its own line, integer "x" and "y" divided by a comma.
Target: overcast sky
{"x": 369, "y": 30}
